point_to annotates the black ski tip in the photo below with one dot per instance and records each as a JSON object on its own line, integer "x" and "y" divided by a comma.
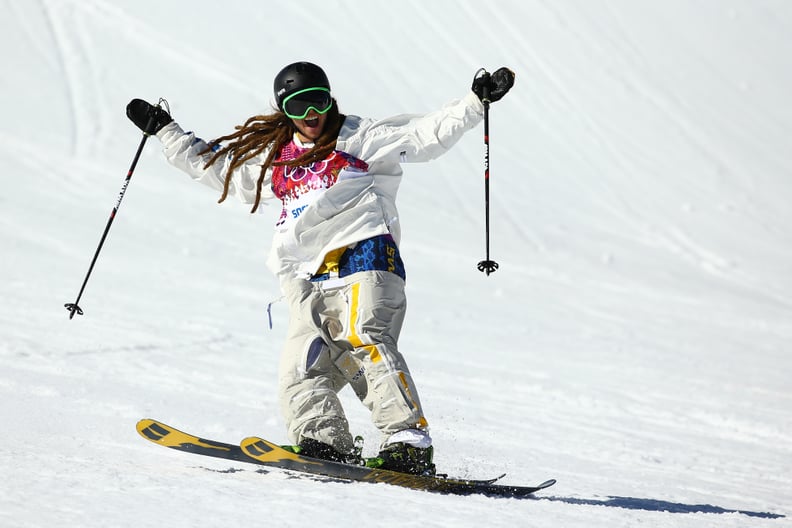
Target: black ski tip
{"x": 546, "y": 484}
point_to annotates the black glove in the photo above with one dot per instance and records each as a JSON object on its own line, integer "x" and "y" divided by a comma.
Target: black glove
{"x": 495, "y": 85}
{"x": 150, "y": 119}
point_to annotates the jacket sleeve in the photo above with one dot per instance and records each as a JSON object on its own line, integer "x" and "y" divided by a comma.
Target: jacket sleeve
{"x": 183, "y": 151}
{"x": 410, "y": 137}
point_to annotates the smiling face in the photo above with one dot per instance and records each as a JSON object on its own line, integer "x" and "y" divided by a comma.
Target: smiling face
{"x": 310, "y": 128}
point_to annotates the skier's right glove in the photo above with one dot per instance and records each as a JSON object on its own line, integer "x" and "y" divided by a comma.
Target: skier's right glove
{"x": 148, "y": 118}
{"x": 497, "y": 84}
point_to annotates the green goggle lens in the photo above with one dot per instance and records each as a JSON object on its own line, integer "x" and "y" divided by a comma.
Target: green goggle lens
{"x": 298, "y": 104}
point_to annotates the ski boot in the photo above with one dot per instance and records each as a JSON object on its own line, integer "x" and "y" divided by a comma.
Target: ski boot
{"x": 404, "y": 458}
{"x": 308, "y": 447}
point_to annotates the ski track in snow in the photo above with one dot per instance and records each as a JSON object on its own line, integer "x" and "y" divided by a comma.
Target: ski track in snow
{"x": 68, "y": 35}
{"x": 633, "y": 344}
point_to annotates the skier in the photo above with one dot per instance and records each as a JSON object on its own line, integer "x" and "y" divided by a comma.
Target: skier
{"x": 335, "y": 249}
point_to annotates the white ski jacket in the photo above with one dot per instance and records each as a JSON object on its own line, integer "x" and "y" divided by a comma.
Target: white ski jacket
{"x": 360, "y": 205}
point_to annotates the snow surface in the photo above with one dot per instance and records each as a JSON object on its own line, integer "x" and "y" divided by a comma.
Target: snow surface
{"x": 635, "y": 343}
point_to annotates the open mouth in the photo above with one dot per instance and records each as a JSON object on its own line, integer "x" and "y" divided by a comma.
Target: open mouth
{"x": 312, "y": 122}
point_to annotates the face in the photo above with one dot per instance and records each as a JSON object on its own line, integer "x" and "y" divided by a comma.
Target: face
{"x": 310, "y": 128}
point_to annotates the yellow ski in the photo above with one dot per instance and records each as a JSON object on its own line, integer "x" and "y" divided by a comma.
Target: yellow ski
{"x": 254, "y": 450}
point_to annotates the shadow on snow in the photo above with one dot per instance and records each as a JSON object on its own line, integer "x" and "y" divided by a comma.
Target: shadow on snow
{"x": 632, "y": 503}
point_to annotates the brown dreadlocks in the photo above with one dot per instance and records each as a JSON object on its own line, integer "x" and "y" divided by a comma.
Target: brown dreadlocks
{"x": 270, "y": 133}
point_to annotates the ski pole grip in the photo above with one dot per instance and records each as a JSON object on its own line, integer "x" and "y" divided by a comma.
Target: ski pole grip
{"x": 485, "y": 89}
{"x": 152, "y": 118}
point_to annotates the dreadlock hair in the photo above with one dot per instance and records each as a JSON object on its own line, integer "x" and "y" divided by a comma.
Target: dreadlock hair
{"x": 270, "y": 133}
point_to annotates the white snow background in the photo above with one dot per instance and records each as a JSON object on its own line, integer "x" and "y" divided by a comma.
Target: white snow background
{"x": 635, "y": 343}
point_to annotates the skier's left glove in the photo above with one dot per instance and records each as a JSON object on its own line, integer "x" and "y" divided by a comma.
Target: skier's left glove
{"x": 497, "y": 83}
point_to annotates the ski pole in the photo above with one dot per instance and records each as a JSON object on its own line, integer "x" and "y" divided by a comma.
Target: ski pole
{"x": 487, "y": 265}
{"x": 74, "y": 307}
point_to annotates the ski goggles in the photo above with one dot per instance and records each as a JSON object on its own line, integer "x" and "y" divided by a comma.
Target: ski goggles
{"x": 298, "y": 104}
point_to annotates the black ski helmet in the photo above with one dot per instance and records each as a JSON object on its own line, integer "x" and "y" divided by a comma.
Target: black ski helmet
{"x": 298, "y": 76}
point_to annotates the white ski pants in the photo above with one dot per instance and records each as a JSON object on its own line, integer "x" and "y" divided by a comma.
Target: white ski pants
{"x": 345, "y": 331}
